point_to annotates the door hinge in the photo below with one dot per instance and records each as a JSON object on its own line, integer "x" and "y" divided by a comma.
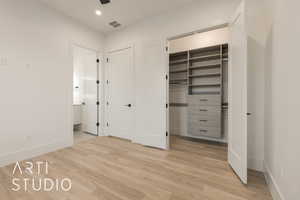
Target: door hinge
{"x": 98, "y": 124}
{"x": 167, "y": 49}
{"x": 107, "y": 124}
{"x": 98, "y": 103}
{"x": 167, "y": 134}
{"x": 107, "y": 59}
{"x": 107, "y": 82}
{"x": 98, "y": 61}
{"x": 98, "y": 82}
{"x": 167, "y": 105}
{"x": 107, "y": 103}
{"x": 167, "y": 77}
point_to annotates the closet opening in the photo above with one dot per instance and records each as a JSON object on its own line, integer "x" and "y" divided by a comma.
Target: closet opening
{"x": 86, "y": 94}
{"x": 198, "y": 90}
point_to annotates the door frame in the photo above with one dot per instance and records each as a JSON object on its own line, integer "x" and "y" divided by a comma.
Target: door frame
{"x": 106, "y": 87}
{"x": 99, "y": 90}
{"x": 168, "y": 74}
{"x": 167, "y": 40}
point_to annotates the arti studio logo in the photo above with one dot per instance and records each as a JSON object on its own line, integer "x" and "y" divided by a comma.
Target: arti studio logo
{"x": 34, "y": 178}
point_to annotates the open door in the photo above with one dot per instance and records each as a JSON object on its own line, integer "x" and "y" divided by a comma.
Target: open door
{"x": 152, "y": 94}
{"x": 237, "y": 154}
{"x": 90, "y": 92}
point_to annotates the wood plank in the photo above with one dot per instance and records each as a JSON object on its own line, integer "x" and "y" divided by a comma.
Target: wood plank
{"x": 113, "y": 169}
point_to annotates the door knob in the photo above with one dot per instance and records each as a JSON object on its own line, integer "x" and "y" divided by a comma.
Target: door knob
{"x": 83, "y": 103}
{"x": 129, "y": 105}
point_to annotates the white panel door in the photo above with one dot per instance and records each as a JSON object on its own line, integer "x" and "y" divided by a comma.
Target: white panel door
{"x": 151, "y": 123}
{"x": 90, "y": 92}
{"x": 120, "y": 94}
{"x": 238, "y": 95}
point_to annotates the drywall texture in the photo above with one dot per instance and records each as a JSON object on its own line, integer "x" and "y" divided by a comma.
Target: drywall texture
{"x": 282, "y": 99}
{"x": 36, "y": 78}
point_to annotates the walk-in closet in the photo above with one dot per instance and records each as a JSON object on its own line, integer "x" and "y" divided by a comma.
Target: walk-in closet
{"x": 198, "y": 85}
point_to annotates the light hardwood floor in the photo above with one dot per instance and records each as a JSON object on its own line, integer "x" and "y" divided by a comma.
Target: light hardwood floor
{"x": 80, "y": 136}
{"x": 112, "y": 169}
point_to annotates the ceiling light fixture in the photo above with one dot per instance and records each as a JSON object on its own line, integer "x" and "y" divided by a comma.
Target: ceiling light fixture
{"x": 98, "y": 12}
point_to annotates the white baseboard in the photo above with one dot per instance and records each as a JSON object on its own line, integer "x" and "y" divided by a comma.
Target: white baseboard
{"x": 256, "y": 164}
{"x": 273, "y": 186}
{"x": 33, "y": 152}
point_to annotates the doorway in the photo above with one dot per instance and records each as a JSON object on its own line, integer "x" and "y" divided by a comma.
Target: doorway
{"x": 85, "y": 93}
{"x": 208, "y": 85}
{"x": 198, "y": 85}
{"x": 120, "y": 94}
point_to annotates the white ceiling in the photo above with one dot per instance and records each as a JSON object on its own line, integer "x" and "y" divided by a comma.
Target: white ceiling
{"x": 125, "y": 12}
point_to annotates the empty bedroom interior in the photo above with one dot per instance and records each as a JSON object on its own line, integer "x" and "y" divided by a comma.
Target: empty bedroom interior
{"x": 149, "y": 100}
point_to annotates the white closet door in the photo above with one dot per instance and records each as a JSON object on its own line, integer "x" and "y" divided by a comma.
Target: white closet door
{"x": 238, "y": 95}
{"x": 90, "y": 92}
{"x": 121, "y": 96}
{"x": 151, "y": 123}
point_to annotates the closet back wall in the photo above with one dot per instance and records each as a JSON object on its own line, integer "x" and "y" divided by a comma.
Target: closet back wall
{"x": 36, "y": 78}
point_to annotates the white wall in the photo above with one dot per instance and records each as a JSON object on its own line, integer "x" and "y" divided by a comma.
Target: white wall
{"x": 282, "y": 99}
{"x": 196, "y": 16}
{"x": 36, "y": 78}
{"x": 36, "y": 66}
